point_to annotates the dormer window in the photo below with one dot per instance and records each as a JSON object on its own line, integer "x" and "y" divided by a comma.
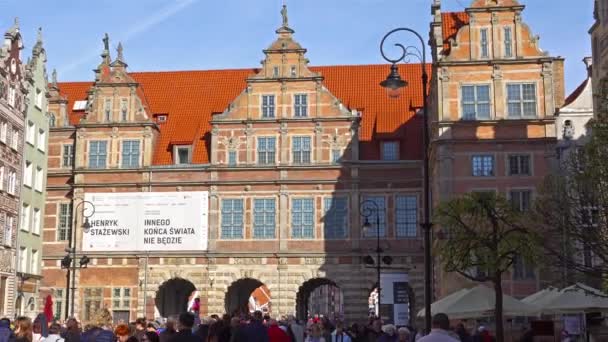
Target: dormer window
{"x": 268, "y": 106}
{"x": 182, "y": 154}
{"x": 80, "y": 105}
{"x": 124, "y": 110}
{"x": 390, "y": 150}
{"x": 107, "y": 109}
{"x": 160, "y": 118}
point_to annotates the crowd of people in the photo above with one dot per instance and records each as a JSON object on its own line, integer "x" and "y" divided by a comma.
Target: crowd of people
{"x": 241, "y": 328}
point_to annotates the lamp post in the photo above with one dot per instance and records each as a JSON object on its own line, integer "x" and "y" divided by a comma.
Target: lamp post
{"x": 367, "y": 209}
{"x": 69, "y": 261}
{"x": 393, "y": 83}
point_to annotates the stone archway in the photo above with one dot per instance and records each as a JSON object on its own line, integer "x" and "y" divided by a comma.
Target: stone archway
{"x": 328, "y": 298}
{"x": 172, "y": 296}
{"x": 247, "y": 294}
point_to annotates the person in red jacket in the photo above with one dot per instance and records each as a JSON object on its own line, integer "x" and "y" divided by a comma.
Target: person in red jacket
{"x": 276, "y": 334}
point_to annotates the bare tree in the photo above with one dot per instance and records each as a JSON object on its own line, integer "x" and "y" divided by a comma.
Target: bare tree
{"x": 484, "y": 238}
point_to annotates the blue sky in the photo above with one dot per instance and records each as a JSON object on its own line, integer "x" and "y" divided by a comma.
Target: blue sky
{"x": 214, "y": 34}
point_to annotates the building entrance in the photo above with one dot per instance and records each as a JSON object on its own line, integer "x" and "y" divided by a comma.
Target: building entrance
{"x": 172, "y": 296}
{"x": 319, "y": 296}
{"x": 247, "y": 295}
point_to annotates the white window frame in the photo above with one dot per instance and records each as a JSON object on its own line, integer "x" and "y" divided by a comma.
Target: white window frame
{"x": 37, "y": 222}
{"x": 268, "y": 106}
{"x": 508, "y": 43}
{"x": 519, "y": 156}
{"x": 483, "y": 155}
{"x": 8, "y": 230}
{"x": 484, "y": 46}
{"x": 34, "y": 262}
{"x": 23, "y": 259}
{"x": 274, "y": 153}
{"x": 387, "y": 143}
{"x": 15, "y": 141}
{"x": 476, "y": 102}
{"x": 26, "y": 210}
{"x": 31, "y": 133}
{"x": 41, "y": 143}
{"x": 298, "y": 107}
{"x": 521, "y": 190}
{"x": 122, "y": 155}
{"x": 39, "y": 180}
{"x": 230, "y": 153}
{"x": 4, "y": 131}
{"x": 312, "y": 150}
{"x": 176, "y": 149}
{"x": 98, "y": 165}
{"x": 521, "y": 100}
{"x": 28, "y": 174}
{"x": 70, "y": 156}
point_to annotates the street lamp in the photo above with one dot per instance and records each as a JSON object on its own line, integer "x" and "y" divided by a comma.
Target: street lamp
{"x": 367, "y": 209}
{"x": 394, "y": 85}
{"x": 69, "y": 261}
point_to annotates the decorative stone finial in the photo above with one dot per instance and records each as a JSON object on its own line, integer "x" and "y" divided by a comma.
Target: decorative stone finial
{"x": 284, "y": 15}
{"x": 39, "y": 37}
{"x": 54, "y": 78}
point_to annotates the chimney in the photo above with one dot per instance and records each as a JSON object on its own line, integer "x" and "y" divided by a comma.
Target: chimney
{"x": 589, "y": 64}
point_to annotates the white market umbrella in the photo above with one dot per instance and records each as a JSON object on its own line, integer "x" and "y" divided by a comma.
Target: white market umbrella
{"x": 577, "y": 298}
{"x": 479, "y": 302}
{"x": 542, "y": 297}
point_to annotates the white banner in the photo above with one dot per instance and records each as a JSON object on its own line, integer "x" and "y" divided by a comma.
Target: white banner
{"x": 395, "y": 300}
{"x": 147, "y": 221}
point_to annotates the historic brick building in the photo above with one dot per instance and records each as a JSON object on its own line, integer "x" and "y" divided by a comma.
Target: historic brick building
{"x": 12, "y": 112}
{"x": 599, "y": 41}
{"x": 494, "y": 97}
{"x": 287, "y": 153}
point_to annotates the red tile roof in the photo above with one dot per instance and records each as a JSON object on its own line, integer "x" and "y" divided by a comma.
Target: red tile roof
{"x": 189, "y": 98}
{"x": 451, "y": 23}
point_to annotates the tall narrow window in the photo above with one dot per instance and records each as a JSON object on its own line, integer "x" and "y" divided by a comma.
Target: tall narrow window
{"x": 475, "y": 102}
{"x": 98, "y": 154}
{"x": 28, "y": 173}
{"x": 68, "y": 156}
{"x": 390, "y": 150}
{"x": 182, "y": 154}
{"x": 23, "y": 259}
{"x": 39, "y": 96}
{"x": 406, "y": 216}
{"x": 37, "y": 223}
{"x": 231, "y": 158}
{"x": 3, "y": 131}
{"x": 3, "y": 295}
{"x": 302, "y": 218}
{"x": 336, "y": 155}
{"x": 293, "y": 71}
{"x": 275, "y": 72}
{"x": 41, "y": 143}
{"x": 266, "y": 150}
{"x": 300, "y": 149}
{"x": 521, "y": 100}
{"x": 65, "y": 221}
{"x": 483, "y": 165}
{"x": 52, "y": 120}
{"x": 8, "y": 230}
{"x": 268, "y": 106}
{"x": 15, "y": 141}
{"x": 124, "y": 110}
{"x": 264, "y": 211}
{"x": 508, "y": 42}
{"x": 335, "y": 221}
{"x": 12, "y": 182}
{"x": 25, "y": 217}
{"x": 232, "y": 219}
{"x": 484, "y": 43}
{"x": 380, "y": 202}
{"x": 2, "y": 174}
{"x": 39, "y": 180}
{"x": 300, "y": 107}
{"x": 31, "y": 133}
{"x": 35, "y": 262}
{"x": 130, "y": 153}
{"x": 107, "y": 110}
{"x": 58, "y": 299}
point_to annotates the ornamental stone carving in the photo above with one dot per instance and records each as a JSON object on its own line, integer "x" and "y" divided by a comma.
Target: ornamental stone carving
{"x": 314, "y": 261}
{"x": 6, "y": 261}
{"x": 247, "y": 261}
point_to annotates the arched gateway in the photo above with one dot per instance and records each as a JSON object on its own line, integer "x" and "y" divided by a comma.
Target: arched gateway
{"x": 319, "y": 296}
{"x": 247, "y": 294}
{"x": 172, "y": 296}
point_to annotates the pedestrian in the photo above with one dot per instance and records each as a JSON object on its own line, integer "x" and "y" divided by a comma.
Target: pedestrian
{"x": 23, "y": 330}
{"x": 296, "y": 329}
{"x": 375, "y": 332}
{"x": 123, "y": 333}
{"x": 169, "y": 331}
{"x": 39, "y": 330}
{"x": 339, "y": 335}
{"x": 255, "y": 331}
{"x": 140, "y": 328}
{"x": 315, "y": 334}
{"x": 463, "y": 334}
{"x": 72, "y": 331}
{"x": 202, "y": 331}
{"x": 403, "y": 334}
{"x": 151, "y": 336}
{"x": 54, "y": 336}
{"x": 185, "y": 323}
{"x": 440, "y": 331}
{"x": 389, "y": 333}
{"x": 97, "y": 331}
{"x": 483, "y": 335}
{"x": 6, "y": 334}
{"x": 275, "y": 333}
{"x": 151, "y": 327}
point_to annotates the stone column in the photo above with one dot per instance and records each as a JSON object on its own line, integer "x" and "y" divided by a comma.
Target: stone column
{"x": 213, "y": 217}
{"x": 148, "y": 147}
{"x": 283, "y": 145}
{"x": 443, "y": 89}
{"x": 215, "y": 131}
{"x": 499, "y": 94}
{"x": 496, "y": 41}
{"x": 517, "y": 35}
{"x": 283, "y": 219}
{"x": 250, "y": 144}
{"x": 318, "y": 146}
{"x": 549, "y": 104}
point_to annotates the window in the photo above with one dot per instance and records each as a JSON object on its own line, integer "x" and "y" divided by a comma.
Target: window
{"x": 520, "y": 199}
{"x": 484, "y": 43}
{"x": 475, "y": 102}
{"x": 2, "y": 177}
{"x": 275, "y": 72}
{"x": 302, "y": 218}
{"x": 336, "y": 155}
{"x": 522, "y": 270}
{"x": 65, "y": 221}
{"x": 264, "y": 218}
{"x": 107, "y": 110}
{"x": 121, "y": 298}
{"x": 483, "y": 166}
{"x": 39, "y": 179}
{"x": 508, "y": 42}
{"x": 3, "y": 132}
{"x": 23, "y": 259}
{"x": 519, "y": 165}
{"x": 390, "y": 150}
{"x": 58, "y": 300}
{"x": 15, "y": 142}
{"x": 406, "y": 216}
{"x": 335, "y": 221}
{"x": 97, "y": 154}
{"x": 28, "y": 173}
{"x": 300, "y": 106}
{"x": 231, "y": 158}
{"x": 130, "y": 153}
{"x": 12, "y": 94}
{"x": 37, "y": 224}
{"x": 25, "y": 217}
{"x": 380, "y": 202}
{"x": 124, "y": 110}
{"x": 35, "y": 262}
{"x": 42, "y": 140}
{"x": 293, "y": 71}
{"x": 266, "y": 150}
{"x": 521, "y": 100}
{"x": 301, "y": 150}
{"x": 589, "y": 215}
{"x": 8, "y": 230}
{"x": 93, "y": 300}
{"x": 268, "y": 106}
{"x": 39, "y": 98}
{"x": 68, "y": 155}
{"x": 31, "y": 133}
{"x": 232, "y": 219}
{"x": 182, "y": 155}
{"x": 52, "y": 120}
{"x": 2, "y": 291}
{"x": 12, "y": 182}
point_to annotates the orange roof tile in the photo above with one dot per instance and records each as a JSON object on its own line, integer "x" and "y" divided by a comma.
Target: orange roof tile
{"x": 451, "y": 23}
{"x": 189, "y": 98}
